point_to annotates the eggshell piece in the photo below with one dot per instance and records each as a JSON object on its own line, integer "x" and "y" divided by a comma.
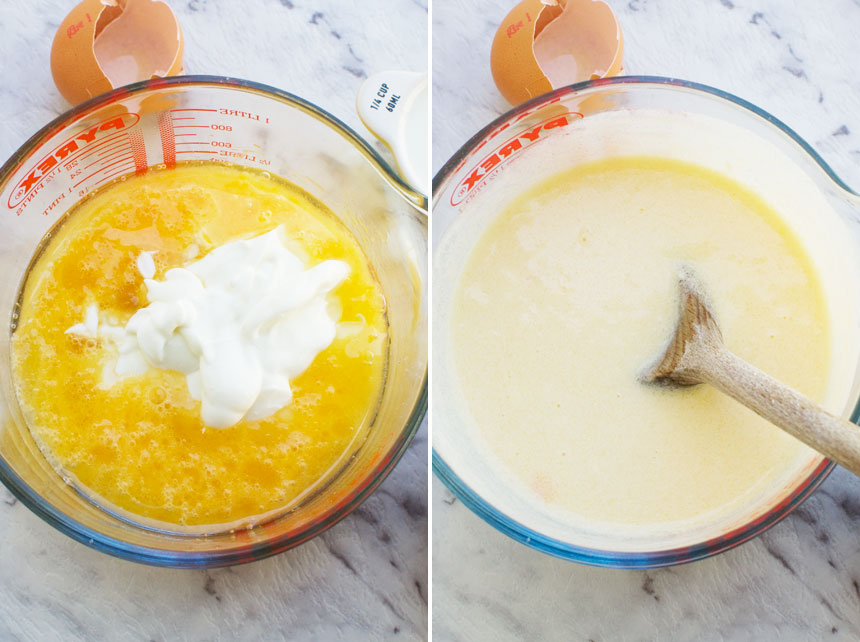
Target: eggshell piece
{"x": 584, "y": 42}
{"x": 545, "y": 44}
{"x": 103, "y": 44}
{"x": 73, "y": 64}
{"x": 141, "y": 42}
{"x": 515, "y": 70}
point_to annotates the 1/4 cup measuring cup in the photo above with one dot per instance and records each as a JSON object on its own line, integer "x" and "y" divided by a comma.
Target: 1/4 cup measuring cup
{"x": 635, "y": 116}
{"x": 160, "y": 123}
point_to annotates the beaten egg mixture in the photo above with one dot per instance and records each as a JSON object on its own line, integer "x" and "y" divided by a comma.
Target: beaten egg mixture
{"x": 138, "y": 443}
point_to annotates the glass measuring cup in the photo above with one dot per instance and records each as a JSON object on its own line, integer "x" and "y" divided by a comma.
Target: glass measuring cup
{"x": 555, "y": 131}
{"x": 163, "y": 122}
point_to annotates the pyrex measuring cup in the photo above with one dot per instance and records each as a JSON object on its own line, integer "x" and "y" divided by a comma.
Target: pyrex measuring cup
{"x": 636, "y": 116}
{"x": 167, "y": 121}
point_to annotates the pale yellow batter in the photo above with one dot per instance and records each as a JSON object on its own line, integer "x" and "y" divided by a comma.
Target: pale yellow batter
{"x": 573, "y": 289}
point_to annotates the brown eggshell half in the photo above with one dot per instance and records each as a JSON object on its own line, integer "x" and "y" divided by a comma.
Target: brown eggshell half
{"x": 103, "y": 44}
{"x": 545, "y": 44}
{"x": 515, "y": 70}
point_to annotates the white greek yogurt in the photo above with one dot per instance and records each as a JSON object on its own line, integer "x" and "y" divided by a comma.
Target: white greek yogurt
{"x": 239, "y": 323}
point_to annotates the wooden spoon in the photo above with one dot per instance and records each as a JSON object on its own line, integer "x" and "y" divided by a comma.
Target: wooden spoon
{"x": 696, "y": 355}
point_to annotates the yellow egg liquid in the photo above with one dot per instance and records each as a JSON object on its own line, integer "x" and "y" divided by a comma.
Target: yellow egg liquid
{"x": 140, "y": 444}
{"x": 573, "y": 291}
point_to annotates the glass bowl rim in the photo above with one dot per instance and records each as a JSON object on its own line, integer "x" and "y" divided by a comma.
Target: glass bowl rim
{"x": 618, "y": 559}
{"x": 374, "y": 477}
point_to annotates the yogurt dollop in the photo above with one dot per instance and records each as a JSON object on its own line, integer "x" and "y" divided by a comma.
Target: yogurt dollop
{"x": 239, "y": 323}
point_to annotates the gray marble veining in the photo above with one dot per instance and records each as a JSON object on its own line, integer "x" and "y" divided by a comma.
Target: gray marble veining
{"x": 799, "y": 581}
{"x": 366, "y": 578}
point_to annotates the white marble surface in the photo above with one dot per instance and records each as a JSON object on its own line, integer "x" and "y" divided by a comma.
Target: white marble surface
{"x": 366, "y": 578}
{"x": 801, "y": 580}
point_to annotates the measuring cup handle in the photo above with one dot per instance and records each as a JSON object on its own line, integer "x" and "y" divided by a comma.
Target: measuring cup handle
{"x": 381, "y": 103}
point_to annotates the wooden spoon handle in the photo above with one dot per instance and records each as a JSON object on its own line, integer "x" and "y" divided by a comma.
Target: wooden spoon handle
{"x": 834, "y": 438}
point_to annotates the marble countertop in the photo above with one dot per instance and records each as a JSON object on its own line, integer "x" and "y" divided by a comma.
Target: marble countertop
{"x": 801, "y": 579}
{"x": 365, "y": 578}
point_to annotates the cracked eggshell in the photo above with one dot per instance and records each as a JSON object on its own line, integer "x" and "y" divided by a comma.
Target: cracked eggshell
{"x": 104, "y": 44}
{"x": 542, "y": 45}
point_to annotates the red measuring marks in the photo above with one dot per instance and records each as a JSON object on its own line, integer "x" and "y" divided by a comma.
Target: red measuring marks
{"x": 184, "y": 123}
{"x": 207, "y": 133}
{"x": 165, "y": 129}
{"x": 138, "y": 151}
{"x": 115, "y": 155}
{"x": 189, "y": 131}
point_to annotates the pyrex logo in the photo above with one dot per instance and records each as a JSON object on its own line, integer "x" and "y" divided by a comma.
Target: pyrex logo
{"x": 65, "y": 151}
{"x": 506, "y": 151}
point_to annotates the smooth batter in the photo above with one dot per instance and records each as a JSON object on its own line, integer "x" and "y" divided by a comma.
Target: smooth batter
{"x": 140, "y": 444}
{"x": 573, "y": 290}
